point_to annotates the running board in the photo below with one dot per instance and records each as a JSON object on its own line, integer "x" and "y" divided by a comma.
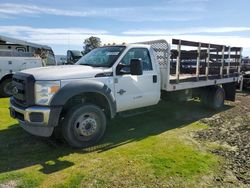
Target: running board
{"x": 133, "y": 113}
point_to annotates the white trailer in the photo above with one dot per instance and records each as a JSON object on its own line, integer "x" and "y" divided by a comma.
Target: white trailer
{"x": 17, "y": 55}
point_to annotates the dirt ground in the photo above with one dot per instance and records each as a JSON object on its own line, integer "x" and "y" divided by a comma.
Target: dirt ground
{"x": 229, "y": 136}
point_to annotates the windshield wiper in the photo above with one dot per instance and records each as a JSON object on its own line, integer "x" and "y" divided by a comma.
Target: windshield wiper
{"x": 88, "y": 64}
{"x": 92, "y": 65}
{"x": 100, "y": 66}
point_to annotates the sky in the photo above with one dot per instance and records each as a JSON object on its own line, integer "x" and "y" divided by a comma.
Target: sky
{"x": 65, "y": 24}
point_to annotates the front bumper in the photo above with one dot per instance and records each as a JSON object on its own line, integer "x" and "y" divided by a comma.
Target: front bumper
{"x": 37, "y": 120}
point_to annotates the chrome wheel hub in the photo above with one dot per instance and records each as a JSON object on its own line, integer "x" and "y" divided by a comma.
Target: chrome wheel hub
{"x": 86, "y": 125}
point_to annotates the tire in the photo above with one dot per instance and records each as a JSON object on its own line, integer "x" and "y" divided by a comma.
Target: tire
{"x": 84, "y": 126}
{"x": 6, "y": 87}
{"x": 213, "y": 97}
{"x": 246, "y": 84}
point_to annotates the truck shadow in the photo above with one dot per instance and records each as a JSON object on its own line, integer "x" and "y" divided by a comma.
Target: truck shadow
{"x": 18, "y": 149}
{"x": 163, "y": 117}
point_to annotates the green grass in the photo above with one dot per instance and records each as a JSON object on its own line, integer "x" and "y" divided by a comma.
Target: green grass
{"x": 153, "y": 149}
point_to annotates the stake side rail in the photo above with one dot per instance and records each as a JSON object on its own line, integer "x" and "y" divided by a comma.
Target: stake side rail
{"x": 197, "y": 64}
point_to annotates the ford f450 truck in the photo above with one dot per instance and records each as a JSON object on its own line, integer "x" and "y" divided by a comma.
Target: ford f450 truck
{"x": 79, "y": 98}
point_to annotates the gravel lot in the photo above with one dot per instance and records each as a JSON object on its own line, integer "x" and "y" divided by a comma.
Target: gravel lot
{"x": 229, "y": 130}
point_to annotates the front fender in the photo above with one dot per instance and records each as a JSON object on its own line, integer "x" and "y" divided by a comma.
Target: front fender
{"x": 77, "y": 87}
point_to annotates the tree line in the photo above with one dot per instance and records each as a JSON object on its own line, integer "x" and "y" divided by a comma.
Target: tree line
{"x": 90, "y": 44}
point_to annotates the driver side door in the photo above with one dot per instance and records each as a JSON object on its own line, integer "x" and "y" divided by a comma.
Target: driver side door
{"x": 135, "y": 91}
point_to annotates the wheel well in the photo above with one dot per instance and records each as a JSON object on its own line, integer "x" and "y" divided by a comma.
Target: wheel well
{"x": 86, "y": 98}
{"x": 6, "y": 77}
{"x": 199, "y": 92}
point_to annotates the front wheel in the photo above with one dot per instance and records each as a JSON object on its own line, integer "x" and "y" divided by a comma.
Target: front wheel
{"x": 84, "y": 125}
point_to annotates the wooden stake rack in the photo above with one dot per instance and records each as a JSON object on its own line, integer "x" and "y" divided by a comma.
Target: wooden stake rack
{"x": 213, "y": 61}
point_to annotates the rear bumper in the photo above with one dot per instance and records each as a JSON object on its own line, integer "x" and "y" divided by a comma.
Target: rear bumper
{"x": 37, "y": 120}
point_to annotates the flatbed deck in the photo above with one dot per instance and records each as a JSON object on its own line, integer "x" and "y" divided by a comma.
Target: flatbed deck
{"x": 193, "y": 78}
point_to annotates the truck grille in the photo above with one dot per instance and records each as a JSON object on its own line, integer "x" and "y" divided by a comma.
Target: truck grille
{"x": 23, "y": 92}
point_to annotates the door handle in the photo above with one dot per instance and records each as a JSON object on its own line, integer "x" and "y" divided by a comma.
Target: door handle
{"x": 154, "y": 78}
{"x": 121, "y": 92}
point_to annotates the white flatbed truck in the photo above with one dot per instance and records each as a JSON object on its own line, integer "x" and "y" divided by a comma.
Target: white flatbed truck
{"x": 17, "y": 55}
{"x": 77, "y": 99}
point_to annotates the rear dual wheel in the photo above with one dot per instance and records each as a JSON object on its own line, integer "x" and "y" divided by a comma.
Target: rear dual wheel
{"x": 84, "y": 125}
{"x": 213, "y": 97}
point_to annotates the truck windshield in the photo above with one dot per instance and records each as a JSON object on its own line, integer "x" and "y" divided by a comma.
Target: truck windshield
{"x": 101, "y": 57}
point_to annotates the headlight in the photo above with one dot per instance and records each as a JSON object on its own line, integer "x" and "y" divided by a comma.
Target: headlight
{"x": 45, "y": 90}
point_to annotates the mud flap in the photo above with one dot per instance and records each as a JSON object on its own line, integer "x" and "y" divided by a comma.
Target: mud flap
{"x": 230, "y": 91}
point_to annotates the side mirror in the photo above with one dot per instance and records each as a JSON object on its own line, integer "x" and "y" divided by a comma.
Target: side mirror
{"x": 122, "y": 69}
{"x": 136, "y": 67}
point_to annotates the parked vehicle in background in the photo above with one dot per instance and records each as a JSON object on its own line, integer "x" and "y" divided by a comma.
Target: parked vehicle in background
{"x": 246, "y": 64}
{"x": 17, "y": 55}
{"x": 76, "y": 101}
{"x": 189, "y": 66}
{"x": 61, "y": 59}
{"x": 245, "y": 67}
{"x": 73, "y": 56}
{"x": 246, "y": 80}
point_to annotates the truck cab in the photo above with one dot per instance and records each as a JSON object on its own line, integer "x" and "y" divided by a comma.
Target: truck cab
{"x": 73, "y": 56}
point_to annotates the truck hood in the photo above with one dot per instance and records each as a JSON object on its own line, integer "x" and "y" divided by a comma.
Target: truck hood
{"x": 64, "y": 72}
